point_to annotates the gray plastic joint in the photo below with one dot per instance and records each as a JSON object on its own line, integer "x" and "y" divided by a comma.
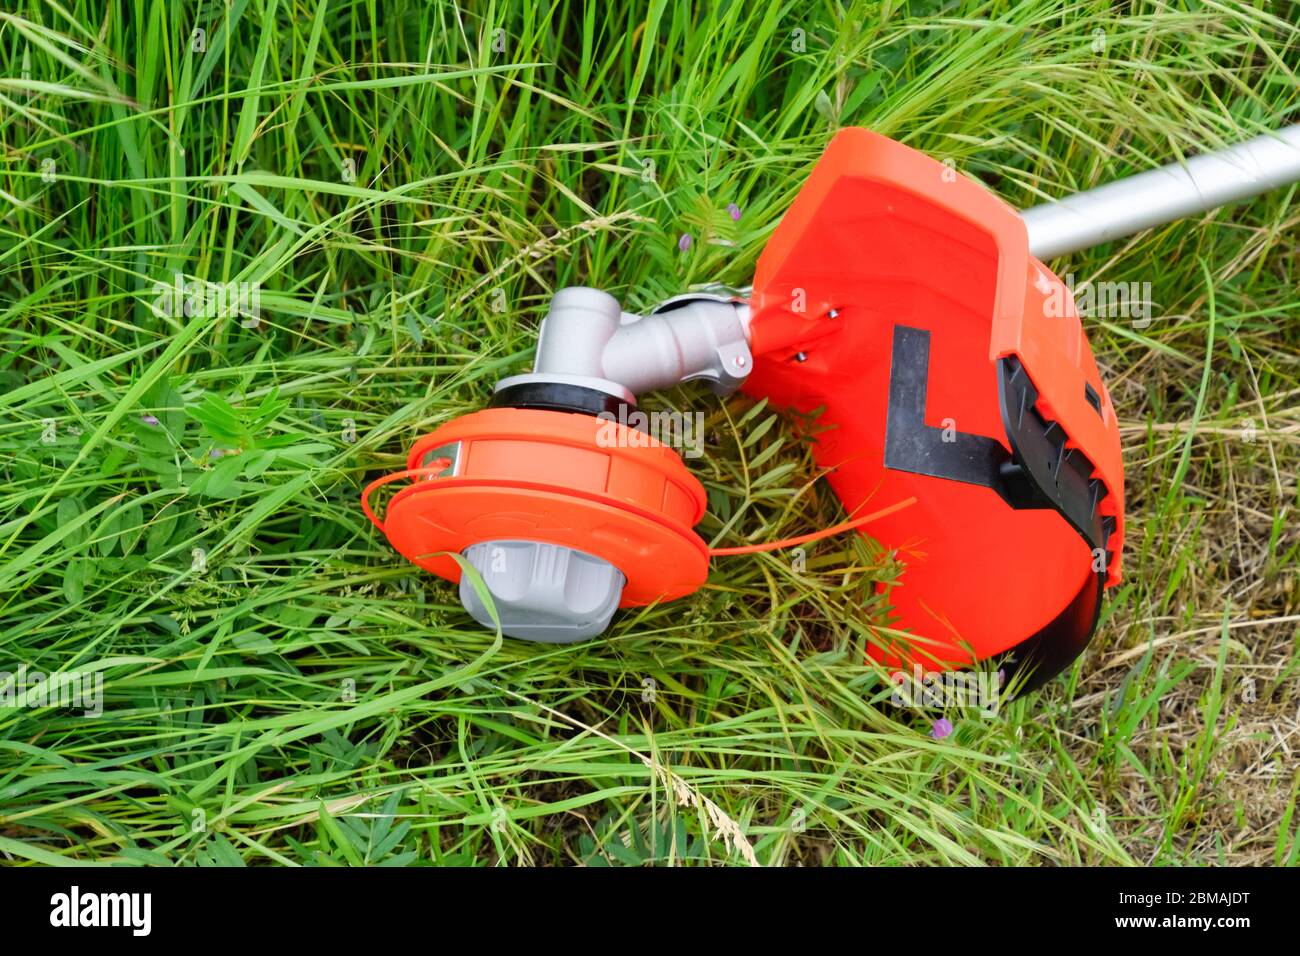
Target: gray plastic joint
{"x": 696, "y": 336}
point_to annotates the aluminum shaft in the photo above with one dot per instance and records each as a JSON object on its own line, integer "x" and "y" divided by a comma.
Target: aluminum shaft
{"x": 1162, "y": 195}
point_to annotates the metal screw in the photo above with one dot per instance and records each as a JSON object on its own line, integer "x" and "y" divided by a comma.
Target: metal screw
{"x": 801, "y": 357}
{"x": 833, "y": 314}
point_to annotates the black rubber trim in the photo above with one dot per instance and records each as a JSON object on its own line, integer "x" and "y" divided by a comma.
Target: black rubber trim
{"x": 1046, "y": 653}
{"x": 560, "y": 397}
{"x": 1040, "y": 472}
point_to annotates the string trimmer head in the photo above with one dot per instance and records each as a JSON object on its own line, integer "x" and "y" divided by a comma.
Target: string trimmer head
{"x": 962, "y": 414}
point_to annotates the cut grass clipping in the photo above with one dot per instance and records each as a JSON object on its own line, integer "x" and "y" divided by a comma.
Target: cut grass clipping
{"x": 250, "y": 251}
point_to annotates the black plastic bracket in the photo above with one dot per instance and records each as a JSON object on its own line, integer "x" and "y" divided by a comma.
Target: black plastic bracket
{"x": 910, "y": 444}
{"x": 1054, "y": 473}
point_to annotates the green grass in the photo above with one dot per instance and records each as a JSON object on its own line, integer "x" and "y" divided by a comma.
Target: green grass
{"x": 302, "y": 695}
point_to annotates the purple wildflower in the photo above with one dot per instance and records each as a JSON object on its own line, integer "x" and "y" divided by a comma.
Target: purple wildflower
{"x": 685, "y": 242}
{"x": 942, "y": 728}
{"x": 149, "y": 419}
{"x": 733, "y": 211}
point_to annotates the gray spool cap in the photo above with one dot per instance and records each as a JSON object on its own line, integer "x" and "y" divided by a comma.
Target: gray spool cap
{"x": 542, "y": 592}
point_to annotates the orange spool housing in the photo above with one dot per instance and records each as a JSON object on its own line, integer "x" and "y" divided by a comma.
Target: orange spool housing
{"x": 580, "y": 481}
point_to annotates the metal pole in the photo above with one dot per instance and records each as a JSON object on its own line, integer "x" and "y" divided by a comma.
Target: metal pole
{"x": 1162, "y": 195}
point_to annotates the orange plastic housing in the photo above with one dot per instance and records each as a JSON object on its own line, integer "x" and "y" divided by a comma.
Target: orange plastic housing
{"x": 559, "y": 478}
{"x": 882, "y": 236}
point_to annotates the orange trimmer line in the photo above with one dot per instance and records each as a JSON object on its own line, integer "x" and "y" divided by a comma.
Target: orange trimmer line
{"x": 436, "y": 468}
{"x": 830, "y": 532}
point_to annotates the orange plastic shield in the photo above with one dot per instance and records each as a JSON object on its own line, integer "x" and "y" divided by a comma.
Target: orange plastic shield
{"x": 900, "y": 297}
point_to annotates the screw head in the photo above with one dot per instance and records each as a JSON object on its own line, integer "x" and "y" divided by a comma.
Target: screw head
{"x": 801, "y": 357}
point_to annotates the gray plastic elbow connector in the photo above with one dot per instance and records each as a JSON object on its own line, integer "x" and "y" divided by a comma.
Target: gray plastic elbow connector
{"x": 587, "y": 336}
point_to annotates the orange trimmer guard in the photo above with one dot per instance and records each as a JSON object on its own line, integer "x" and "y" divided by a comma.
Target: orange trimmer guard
{"x": 577, "y": 481}
{"x": 901, "y": 298}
